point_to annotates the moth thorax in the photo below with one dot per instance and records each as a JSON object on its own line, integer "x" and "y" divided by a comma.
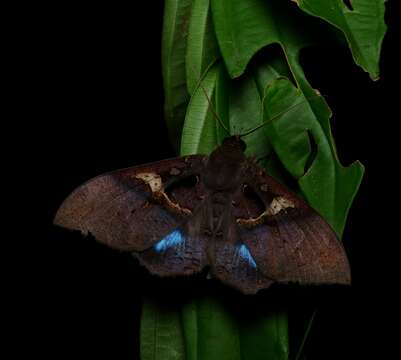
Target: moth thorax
{"x": 223, "y": 168}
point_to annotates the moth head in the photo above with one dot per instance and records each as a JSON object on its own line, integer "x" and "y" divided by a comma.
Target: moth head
{"x": 234, "y": 143}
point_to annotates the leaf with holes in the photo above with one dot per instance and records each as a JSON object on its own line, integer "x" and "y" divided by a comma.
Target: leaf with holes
{"x": 361, "y": 21}
{"x": 277, "y": 22}
{"x": 304, "y": 149}
{"x": 267, "y": 21}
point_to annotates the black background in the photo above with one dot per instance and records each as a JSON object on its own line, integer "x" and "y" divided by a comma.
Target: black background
{"x": 90, "y": 101}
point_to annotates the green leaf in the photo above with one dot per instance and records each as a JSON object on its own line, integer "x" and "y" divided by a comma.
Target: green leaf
{"x": 238, "y": 105}
{"x": 211, "y": 330}
{"x": 245, "y": 113}
{"x": 174, "y": 43}
{"x": 273, "y": 22}
{"x": 199, "y": 132}
{"x": 298, "y": 145}
{"x": 161, "y": 332}
{"x": 306, "y": 152}
{"x": 189, "y": 320}
{"x": 244, "y": 27}
{"x": 214, "y": 330}
{"x": 202, "y": 49}
{"x": 265, "y": 337}
{"x": 363, "y": 26}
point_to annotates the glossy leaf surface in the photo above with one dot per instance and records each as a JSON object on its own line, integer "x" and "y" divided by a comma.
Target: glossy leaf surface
{"x": 218, "y": 43}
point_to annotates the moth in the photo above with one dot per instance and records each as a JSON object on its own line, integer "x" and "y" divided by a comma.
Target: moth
{"x": 221, "y": 212}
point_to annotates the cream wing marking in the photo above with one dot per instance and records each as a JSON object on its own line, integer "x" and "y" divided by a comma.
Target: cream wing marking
{"x": 156, "y": 185}
{"x": 277, "y": 205}
{"x": 152, "y": 179}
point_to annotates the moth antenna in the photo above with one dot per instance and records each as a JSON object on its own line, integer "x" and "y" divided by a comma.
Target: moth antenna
{"x": 277, "y": 116}
{"x": 211, "y": 107}
{"x": 199, "y": 84}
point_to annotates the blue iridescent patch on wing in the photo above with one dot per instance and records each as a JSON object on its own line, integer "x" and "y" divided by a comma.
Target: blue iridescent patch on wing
{"x": 246, "y": 255}
{"x": 173, "y": 239}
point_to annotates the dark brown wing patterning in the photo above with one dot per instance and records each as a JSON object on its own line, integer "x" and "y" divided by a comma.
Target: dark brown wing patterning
{"x": 292, "y": 243}
{"x": 126, "y": 209}
{"x": 183, "y": 257}
{"x": 170, "y": 226}
{"x": 234, "y": 269}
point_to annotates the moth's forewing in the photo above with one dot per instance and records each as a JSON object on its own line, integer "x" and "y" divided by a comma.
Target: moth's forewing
{"x": 126, "y": 210}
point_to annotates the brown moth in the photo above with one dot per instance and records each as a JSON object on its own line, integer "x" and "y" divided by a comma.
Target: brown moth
{"x": 222, "y": 211}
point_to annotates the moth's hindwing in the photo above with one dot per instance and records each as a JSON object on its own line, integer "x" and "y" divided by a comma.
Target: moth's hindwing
{"x": 234, "y": 264}
{"x": 180, "y": 252}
